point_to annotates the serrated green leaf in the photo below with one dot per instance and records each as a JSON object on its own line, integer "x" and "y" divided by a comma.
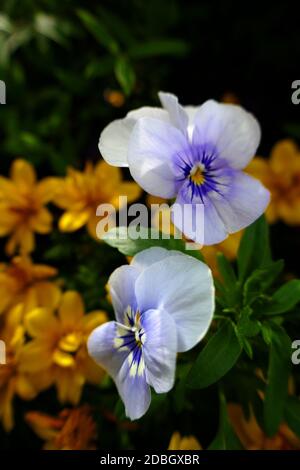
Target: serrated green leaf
{"x": 218, "y": 356}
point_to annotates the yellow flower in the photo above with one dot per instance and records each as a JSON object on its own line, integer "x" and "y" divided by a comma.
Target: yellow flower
{"x": 80, "y": 193}
{"x": 23, "y": 281}
{"x": 72, "y": 429}
{"x": 22, "y": 207}
{"x": 252, "y": 436}
{"x": 57, "y": 352}
{"x": 12, "y": 380}
{"x": 178, "y": 442}
{"x": 281, "y": 175}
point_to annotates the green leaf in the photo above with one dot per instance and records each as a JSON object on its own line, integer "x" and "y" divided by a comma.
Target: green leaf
{"x": 160, "y": 47}
{"x": 226, "y": 271}
{"x": 254, "y": 251}
{"x": 99, "y": 31}
{"x": 216, "y": 359}
{"x": 292, "y": 414}
{"x": 260, "y": 280}
{"x": 247, "y": 326}
{"x": 277, "y": 383}
{"x": 120, "y": 238}
{"x": 125, "y": 74}
{"x": 226, "y": 438}
{"x": 284, "y": 299}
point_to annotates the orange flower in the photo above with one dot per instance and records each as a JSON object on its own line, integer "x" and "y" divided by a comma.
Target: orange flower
{"x": 252, "y": 436}
{"x": 178, "y": 442}
{"x": 281, "y": 175}
{"x": 23, "y": 281}
{"x": 80, "y": 193}
{"x": 22, "y": 207}
{"x": 12, "y": 380}
{"x": 72, "y": 429}
{"x": 58, "y": 353}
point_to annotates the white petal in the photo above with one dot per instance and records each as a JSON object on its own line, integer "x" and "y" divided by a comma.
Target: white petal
{"x": 113, "y": 143}
{"x": 152, "y": 146}
{"x": 183, "y": 287}
{"x": 149, "y": 111}
{"x": 178, "y": 116}
{"x": 234, "y": 132}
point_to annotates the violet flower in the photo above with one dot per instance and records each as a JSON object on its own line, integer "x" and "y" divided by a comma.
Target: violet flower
{"x": 193, "y": 154}
{"x": 163, "y": 302}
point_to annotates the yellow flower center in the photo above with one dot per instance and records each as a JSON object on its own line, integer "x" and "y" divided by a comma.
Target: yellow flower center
{"x": 197, "y": 174}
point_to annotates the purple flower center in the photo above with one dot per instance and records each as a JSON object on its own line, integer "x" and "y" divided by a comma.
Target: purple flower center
{"x": 199, "y": 169}
{"x": 130, "y": 337}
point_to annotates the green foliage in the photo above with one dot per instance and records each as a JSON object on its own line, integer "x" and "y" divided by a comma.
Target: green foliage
{"x": 225, "y": 439}
{"x": 216, "y": 359}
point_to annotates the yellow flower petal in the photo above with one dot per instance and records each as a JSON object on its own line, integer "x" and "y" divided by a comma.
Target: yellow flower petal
{"x": 284, "y": 157}
{"x": 26, "y": 241}
{"x": 71, "y": 221}
{"x": 63, "y": 359}
{"x": 41, "y": 323}
{"x": 42, "y": 221}
{"x": 69, "y": 385}
{"x": 48, "y": 295}
{"x": 71, "y": 309}
{"x": 22, "y": 173}
{"x": 183, "y": 443}
{"x": 47, "y": 189}
{"x": 24, "y": 387}
{"x": 36, "y": 356}
{"x": 94, "y": 319}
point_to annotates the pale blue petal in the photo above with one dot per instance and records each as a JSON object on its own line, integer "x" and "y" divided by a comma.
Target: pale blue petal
{"x": 178, "y": 116}
{"x": 115, "y": 357}
{"x": 101, "y": 347}
{"x": 234, "y": 132}
{"x": 121, "y": 288}
{"x": 159, "y": 349}
{"x": 205, "y": 225}
{"x": 134, "y": 390}
{"x": 183, "y": 287}
{"x": 245, "y": 200}
{"x": 152, "y": 255}
{"x": 153, "y": 145}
